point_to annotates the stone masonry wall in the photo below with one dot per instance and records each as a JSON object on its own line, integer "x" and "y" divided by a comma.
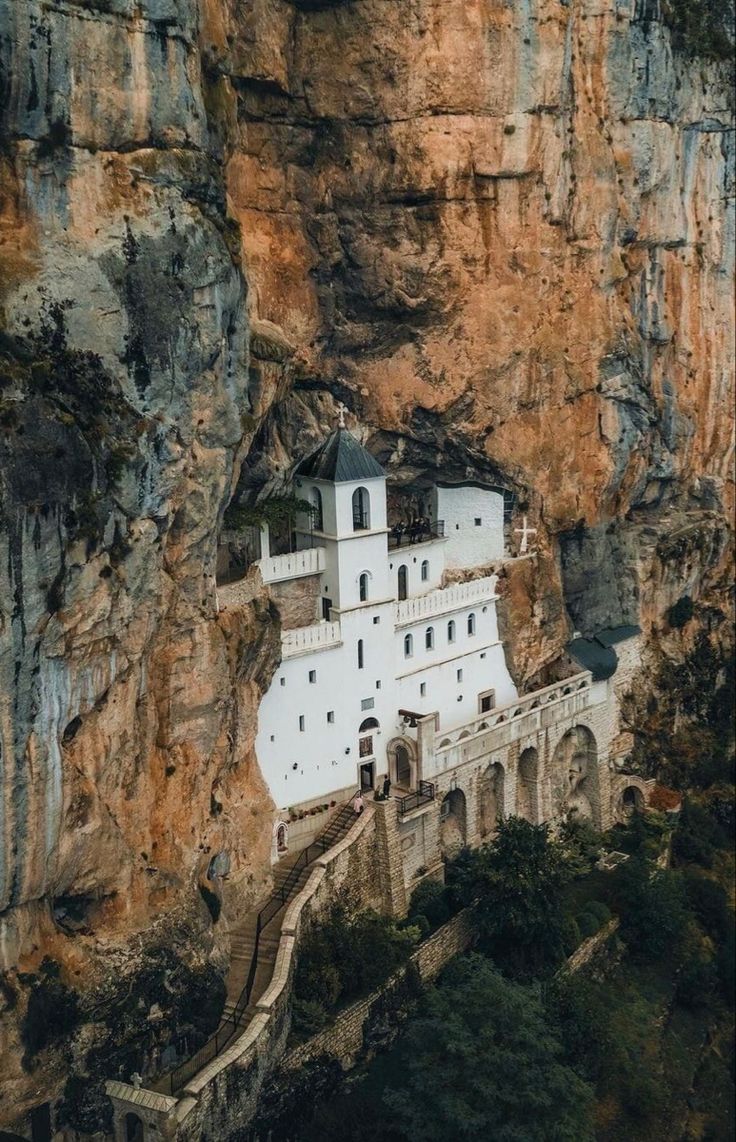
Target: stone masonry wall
{"x": 344, "y": 1038}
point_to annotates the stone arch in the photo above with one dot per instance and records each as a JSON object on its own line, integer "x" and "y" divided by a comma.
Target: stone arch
{"x": 492, "y": 798}
{"x": 630, "y": 794}
{"x": 573, "y": 776}
{"x": 134, "y": 1128}
{"x": 279, "y": 841}
{"x": 527, "y": 786}
{"x": 453, "y": 822}
{"x": 402, "y": 762}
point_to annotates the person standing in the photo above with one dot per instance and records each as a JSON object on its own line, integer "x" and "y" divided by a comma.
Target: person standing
{"x": 386, "y": 787}
{"x": 358, "y": 805}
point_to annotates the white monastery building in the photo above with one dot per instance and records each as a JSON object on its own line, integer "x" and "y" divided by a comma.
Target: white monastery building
{"x": 401, "y": 672}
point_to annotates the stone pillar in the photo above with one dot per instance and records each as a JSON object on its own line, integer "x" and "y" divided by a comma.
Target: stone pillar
{"x": 389, "y": 858}
{"x": 425, "y": 747}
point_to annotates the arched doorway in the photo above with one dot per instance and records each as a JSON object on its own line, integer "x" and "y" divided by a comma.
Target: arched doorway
{"x": 402, "y": 762}
{"x": 134, "y": 1129}
{"x": 574, "y": 774}
{"x": 366, "y": 751}
{"x": 403, "y": 581}
{"x": 453, "y": 816}
{"x": 527, "y": 788}
{"x": 631, "y": 801}
{"x": 492, "y": 805}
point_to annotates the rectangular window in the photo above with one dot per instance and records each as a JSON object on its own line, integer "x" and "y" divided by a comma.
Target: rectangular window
{"x": 378, "y": 684}
{"x": 478, "y": 521}
{"x": 422, "y": 689}
{"x": 376, "y": 620}
{"x": 312, "y": 675}
{"x": 330, "y": 716}
{"x": 486, "y": 701}
{"x": 282, "y": 681}
{"x": 459, "y": 675}
{"x": 301, "y": 723}
{"x": 367, "y": 703}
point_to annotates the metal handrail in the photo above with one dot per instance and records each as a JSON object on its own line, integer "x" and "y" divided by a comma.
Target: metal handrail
{"x": 421, "y": 796}
{"x": 217, "y": 1042}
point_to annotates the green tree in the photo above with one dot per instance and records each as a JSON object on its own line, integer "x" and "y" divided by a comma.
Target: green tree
{"x": 652, "y": 909}
{"x": 518, "y": 881}
{"x": 480, "y": 1062}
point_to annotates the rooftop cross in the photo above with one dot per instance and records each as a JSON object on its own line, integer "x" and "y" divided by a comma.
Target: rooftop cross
{"x": 525, "y": 531}
{"x": 341, "y": 410}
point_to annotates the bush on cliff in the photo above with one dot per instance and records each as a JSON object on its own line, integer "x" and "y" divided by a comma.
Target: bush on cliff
{"x": 52, "y": 1012}
{"x": 430, "y": 900}
{"x": 344, "y": 957}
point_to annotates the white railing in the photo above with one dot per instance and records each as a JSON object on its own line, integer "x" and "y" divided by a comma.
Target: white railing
{"x": 449, "y": 599}
{"x": 302, "y": 640}
{"x": 275, "y": 568}
{"x": 498, "y": 728}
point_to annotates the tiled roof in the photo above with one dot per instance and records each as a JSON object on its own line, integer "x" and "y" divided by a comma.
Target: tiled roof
{"x": 341, "y": 459}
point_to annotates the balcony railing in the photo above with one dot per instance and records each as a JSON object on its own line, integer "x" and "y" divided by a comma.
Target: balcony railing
{"x": 405, "y": 535}
{"x": 449, "y": 599}
{"x": 320, "y": 636}
{"x": 293, "y": 565}
{"x": 421, "y": 796}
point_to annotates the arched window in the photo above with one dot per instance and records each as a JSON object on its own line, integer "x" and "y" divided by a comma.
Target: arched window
{"x": 318, "y": 520}
{"x": 403, "y": 580}
{"x": 361, "y": 656}
{"x": 361, "y": 510}
{"x": 368, "y": 724}
{"x": 429, "y": 638}
{"x": 408, "y": 646}
{"x": 451, "y": 631}
{"x": 425, "y": 570}
{"x": 363, "y": 587}
{"x": 471, "y": 623}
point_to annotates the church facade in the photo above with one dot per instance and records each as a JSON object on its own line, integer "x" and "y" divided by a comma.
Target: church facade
{"x": 401, "y": 672}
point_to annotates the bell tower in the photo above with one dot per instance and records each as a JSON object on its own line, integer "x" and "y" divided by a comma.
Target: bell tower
{"x": 347, "y": 488}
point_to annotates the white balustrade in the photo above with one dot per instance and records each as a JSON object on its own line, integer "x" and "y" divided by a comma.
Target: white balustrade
{"x": 447, "y": 599}
{"x": 498, "y": 728}
{"x": 276, "y": 568}
{"x": 303, "y": 640}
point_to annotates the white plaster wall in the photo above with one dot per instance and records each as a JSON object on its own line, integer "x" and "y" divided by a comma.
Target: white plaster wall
{"x": 479, "y": 656}
{"x": 412, "y": 556}
{"x": 469, "y": 545}
{"x": 319, "y": 751}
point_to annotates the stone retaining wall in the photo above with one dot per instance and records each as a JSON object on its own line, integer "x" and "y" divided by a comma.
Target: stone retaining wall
{"x": 343, "y": 1040}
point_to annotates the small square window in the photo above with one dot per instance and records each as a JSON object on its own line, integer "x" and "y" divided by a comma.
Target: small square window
{"x": 422, "y": 689}
{"x": 312, "y": 675}
{"x": 367, "y": 703}
{"x": 478, "y": 521}
{"x": 330, "y": 716}
{"x": 282, "y": 681}
{"x": 301, "y": 723}
{"x": 459, "y": 675}
{"x": 483, "y": 654}
{"x": 378, "y": 684}
{"x": 376, "y": 620}
{"x": 273, "y": 737}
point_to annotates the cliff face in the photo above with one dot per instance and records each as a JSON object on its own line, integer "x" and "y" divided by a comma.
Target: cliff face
{"x": 502, "y": 234}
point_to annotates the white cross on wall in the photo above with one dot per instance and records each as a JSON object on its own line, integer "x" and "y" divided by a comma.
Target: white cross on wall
{"x": 524, "y": 532}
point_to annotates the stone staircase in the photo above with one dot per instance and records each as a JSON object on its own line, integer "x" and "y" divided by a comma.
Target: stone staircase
{"x": 290, "y": 876}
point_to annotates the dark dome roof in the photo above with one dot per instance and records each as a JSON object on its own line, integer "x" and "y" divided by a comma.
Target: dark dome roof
{"x": 340, "y": 459}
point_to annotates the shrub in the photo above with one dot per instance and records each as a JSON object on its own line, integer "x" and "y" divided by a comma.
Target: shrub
{"x": 430, "y": 900}
{"x": 680, "y": 612}
{"x": 52, "y": 1012}
{"x": 588, "y": 924}
{"x": 213, "y": 902}
{"x": 571, "y": 936}
{"x": 308, "y": 1016}
{"x": 600, "y": 910}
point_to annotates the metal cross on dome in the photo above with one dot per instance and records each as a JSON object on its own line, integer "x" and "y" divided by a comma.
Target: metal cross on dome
{"x": 341, "y": 410}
